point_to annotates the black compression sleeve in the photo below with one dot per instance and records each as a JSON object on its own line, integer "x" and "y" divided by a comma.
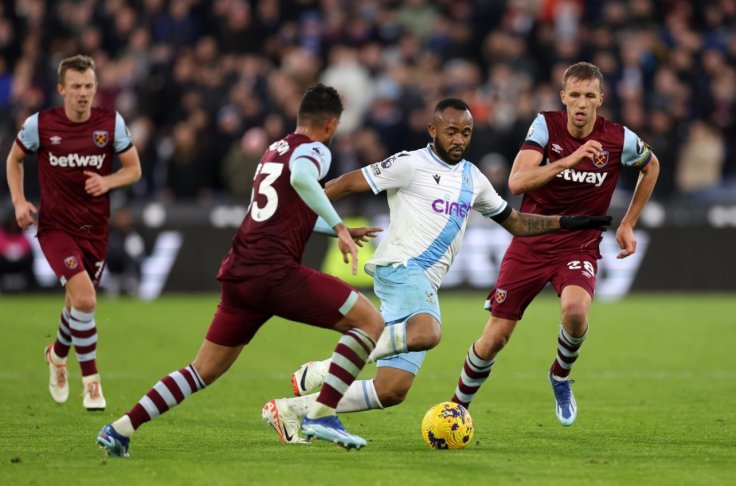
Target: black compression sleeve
{"x": 503, "y": 215}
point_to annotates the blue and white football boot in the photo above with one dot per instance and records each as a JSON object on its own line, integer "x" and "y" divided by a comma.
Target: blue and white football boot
{"x": 331, "y": 429}
{"x": 115, "y": 445}
{"x": 565, "y": 407}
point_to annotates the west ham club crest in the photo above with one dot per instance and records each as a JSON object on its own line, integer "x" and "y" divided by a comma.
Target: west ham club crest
{"x": 500, "y": 295}
{"x": 71, "y": 262}
{"x": 601, "y": 159}
{"x": 100, "y": 137}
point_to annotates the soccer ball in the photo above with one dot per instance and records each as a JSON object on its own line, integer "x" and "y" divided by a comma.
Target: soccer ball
{"x": 447, "y": 425}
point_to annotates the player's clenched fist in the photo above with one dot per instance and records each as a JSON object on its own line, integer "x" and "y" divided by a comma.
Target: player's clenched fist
{"x": 95, "y": 185}
{"x": 588, "y": 150}
{"x": 24, "y": 214}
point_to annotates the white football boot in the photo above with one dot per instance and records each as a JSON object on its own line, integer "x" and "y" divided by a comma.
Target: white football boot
{"x": 58, "y": 376}
{"x": 309, "y": 376}
{"x": 284, "y": 419}
{"x": 93, "y": 398}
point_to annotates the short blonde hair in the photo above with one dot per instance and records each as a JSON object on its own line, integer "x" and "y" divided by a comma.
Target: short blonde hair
{"x": 79, "y": 63}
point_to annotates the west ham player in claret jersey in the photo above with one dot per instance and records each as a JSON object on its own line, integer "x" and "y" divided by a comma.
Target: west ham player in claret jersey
{"x": 262, "y": 276}
{"x": 75, "y": 145}
{"x": 569, "y": 162}
{"x": 430, "y": 193}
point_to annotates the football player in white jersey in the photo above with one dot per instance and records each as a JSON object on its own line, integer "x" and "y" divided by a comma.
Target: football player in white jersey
{"x": 430, "y": 193}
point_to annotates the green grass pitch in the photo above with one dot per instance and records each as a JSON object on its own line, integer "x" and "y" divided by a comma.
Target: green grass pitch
{"x": 655, "y": 385}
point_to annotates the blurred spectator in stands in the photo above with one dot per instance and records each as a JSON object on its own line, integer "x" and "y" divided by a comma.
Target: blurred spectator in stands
{"x": 662, "y": 135}
{"x": 192, "y": 62}
{"x": 417, "y": 16}
{"x": 700, "y": 161}
{"x": 189, "y": 166}
{"x": 496, "y": 168}
{"x": 353, "y": 82}
{"x": 16, "y": 256}
{"x": 125, "y": 253}
{"x": 239, "y": 166}
{"x": 386, "y": 117}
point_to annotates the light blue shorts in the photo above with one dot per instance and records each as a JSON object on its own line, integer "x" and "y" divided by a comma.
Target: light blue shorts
{"x": 405, "y": 292}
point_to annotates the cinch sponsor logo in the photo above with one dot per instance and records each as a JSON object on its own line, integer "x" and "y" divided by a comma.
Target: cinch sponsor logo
{"x": 595, "y": 178}
{"x": 76, "y": 160}
{"x": 443, "y": 206}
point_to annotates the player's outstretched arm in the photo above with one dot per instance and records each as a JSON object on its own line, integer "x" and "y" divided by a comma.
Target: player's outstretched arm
{"x": 346, "y": 184}
{"x": 644, "y": 188}
{"x": 347, "y": 247}
{"x": 527, "y": 224}
{"x": 359, "y": 234}
{"x": 24, "y": 210}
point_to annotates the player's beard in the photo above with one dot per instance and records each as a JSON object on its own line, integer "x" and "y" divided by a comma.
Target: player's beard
{"x": 445, "y": 155}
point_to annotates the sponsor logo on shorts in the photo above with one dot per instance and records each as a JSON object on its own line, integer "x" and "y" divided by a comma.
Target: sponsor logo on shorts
{"x": 430, "y": 297}
{"x": 71, "y": 262}
{"x": 100, "y": 137}
{"x": 501, "y": 295}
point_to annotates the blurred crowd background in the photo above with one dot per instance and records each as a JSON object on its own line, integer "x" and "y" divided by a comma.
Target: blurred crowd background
{"x": 205, "y": 86}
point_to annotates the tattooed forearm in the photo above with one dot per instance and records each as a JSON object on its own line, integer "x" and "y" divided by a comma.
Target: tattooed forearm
{"x": 526, "y": 224}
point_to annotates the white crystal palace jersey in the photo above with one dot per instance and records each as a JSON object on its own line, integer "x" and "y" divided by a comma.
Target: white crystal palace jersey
{"x": 429, "y": 201}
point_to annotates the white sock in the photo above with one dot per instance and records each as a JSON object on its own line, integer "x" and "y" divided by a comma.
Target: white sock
{"x": 301, "y": 405}
{"x": 360, "y": 396}
{"x": 123, "y": 426}
{"x": 392, "y": 341}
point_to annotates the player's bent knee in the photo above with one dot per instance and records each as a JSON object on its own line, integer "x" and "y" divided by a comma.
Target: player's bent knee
{"x": 84, "y": 303}
{"x": 432, "y": 339}
{"x": 365, "y": 317}
{"x": 393, "y": 396}
{"x": 488, "y": 346}
{"x": 423, "y": 332}
{"x": 574, "y": 313}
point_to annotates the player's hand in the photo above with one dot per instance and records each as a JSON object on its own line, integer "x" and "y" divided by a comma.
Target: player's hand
{"x": 626, "y": 241}
{"x": 95, "y": 185}
{"x": 347, "y": 246}
{"x": 585, "y": 222}
{"x": 588, "y": 150}
{"x": 24, "y": 212}
{"x": 361, "y": 235}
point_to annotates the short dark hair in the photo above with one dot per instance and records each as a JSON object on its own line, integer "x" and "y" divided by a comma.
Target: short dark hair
{"x": 455, "y": 103}
{"x": 319, "y": 103}
{"x": 78, "y": 63}
{"x": 582, "y": 71}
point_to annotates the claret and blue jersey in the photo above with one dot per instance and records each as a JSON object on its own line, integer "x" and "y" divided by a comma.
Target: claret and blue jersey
{"x": 67, "y": 149}
{"x": 429, "y": 201}
{"x": 585, "y": 189}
